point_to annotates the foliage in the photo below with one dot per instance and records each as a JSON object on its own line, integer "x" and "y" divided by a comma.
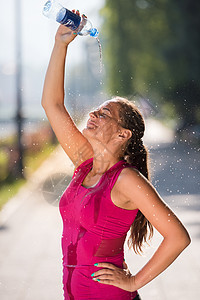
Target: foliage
{"x": 152, "y": 47}
{"x": 9, "y": 189}
{"x": 37, "y": 145}
{"x": 10, "y": 186}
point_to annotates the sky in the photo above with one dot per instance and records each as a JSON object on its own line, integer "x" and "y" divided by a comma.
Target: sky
{"x": 37, "y": 31}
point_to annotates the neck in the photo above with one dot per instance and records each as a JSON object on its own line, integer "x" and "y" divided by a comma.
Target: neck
{"x": 103, "y": 161}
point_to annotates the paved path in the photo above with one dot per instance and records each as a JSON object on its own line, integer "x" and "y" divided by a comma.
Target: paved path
{"x": 31, "y": 227}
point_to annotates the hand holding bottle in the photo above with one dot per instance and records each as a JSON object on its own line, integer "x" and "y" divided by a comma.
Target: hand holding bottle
{"x": 65, "y": 35}
{"x": 54, "y": 10}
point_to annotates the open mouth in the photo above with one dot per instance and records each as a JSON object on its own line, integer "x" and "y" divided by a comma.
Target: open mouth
{"x": 91, "y": 124}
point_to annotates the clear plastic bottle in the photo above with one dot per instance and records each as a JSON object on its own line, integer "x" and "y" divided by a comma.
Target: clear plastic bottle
{"x": 54, "y": 10}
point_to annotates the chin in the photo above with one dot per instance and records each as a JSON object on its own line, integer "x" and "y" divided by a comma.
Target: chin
{"x": 88, "y": 133}
{"x": 85, "y": 132}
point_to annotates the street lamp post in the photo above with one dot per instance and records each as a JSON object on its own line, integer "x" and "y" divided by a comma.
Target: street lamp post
{"x": 19, "y": 117}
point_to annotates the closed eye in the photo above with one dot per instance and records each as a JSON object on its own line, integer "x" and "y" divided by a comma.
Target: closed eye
{"x": 103, "y": 115}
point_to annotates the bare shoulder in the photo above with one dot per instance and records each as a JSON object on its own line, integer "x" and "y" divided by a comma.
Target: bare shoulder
{"x": 132, "y": 188}
{"x": 118, "y": 195}
{"x": 141, "y": 194}
{"x": 131, "y": 176}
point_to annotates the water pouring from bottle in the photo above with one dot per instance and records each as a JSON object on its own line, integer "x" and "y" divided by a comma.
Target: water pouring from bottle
{"x": 54, "y": 10}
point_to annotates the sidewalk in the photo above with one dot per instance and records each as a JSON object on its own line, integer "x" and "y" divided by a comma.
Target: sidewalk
{"x": 31, "y": 228}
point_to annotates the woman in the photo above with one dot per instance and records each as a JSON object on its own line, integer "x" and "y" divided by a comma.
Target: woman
{"x": 110, "y": 193}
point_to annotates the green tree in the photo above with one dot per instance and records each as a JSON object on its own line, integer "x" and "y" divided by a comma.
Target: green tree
{"x": 152, "y": 47}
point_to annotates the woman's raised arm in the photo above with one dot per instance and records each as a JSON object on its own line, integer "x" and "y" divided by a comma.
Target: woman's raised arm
{"x": 71, "y": 139}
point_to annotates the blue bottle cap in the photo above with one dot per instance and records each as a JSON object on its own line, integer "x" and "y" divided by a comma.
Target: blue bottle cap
{"x": 94, "y": 32}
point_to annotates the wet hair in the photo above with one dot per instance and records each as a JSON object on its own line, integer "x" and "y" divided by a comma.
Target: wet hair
{"x": 136, "y": 154}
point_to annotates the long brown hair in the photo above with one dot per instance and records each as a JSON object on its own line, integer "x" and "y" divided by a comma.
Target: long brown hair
{"x": 137, "y": 154}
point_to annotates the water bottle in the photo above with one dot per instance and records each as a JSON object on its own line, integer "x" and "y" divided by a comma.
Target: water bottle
{"x": 54, "y": 10}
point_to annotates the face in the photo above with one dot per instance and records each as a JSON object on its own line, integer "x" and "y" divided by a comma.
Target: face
{"x": 103, "y": 123}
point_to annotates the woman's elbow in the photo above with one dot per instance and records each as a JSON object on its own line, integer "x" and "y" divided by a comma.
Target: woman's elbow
{"x": 184, "y": 240}
{"x": 179, "y": 240}
{"x": 188, "y": 240}
{"x": 43, "y": 103}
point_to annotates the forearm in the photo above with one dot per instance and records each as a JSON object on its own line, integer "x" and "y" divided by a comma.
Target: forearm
{"x": 167, "y": 252}
{"x": 53, "y": 91}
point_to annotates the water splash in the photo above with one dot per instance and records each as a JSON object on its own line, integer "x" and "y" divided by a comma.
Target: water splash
{"x": 100, "y": 53}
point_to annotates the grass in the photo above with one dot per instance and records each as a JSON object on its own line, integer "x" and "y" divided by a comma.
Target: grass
{"x": 31, "y": 162}
{"x": 8, "y": 141}
{"x": 8, "y": 190}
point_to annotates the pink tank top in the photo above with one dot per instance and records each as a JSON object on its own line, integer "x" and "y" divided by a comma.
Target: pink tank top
{"x": 94, "y": 230}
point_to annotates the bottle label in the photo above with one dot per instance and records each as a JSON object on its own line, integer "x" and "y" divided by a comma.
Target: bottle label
{"x": 70, "y": 20}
